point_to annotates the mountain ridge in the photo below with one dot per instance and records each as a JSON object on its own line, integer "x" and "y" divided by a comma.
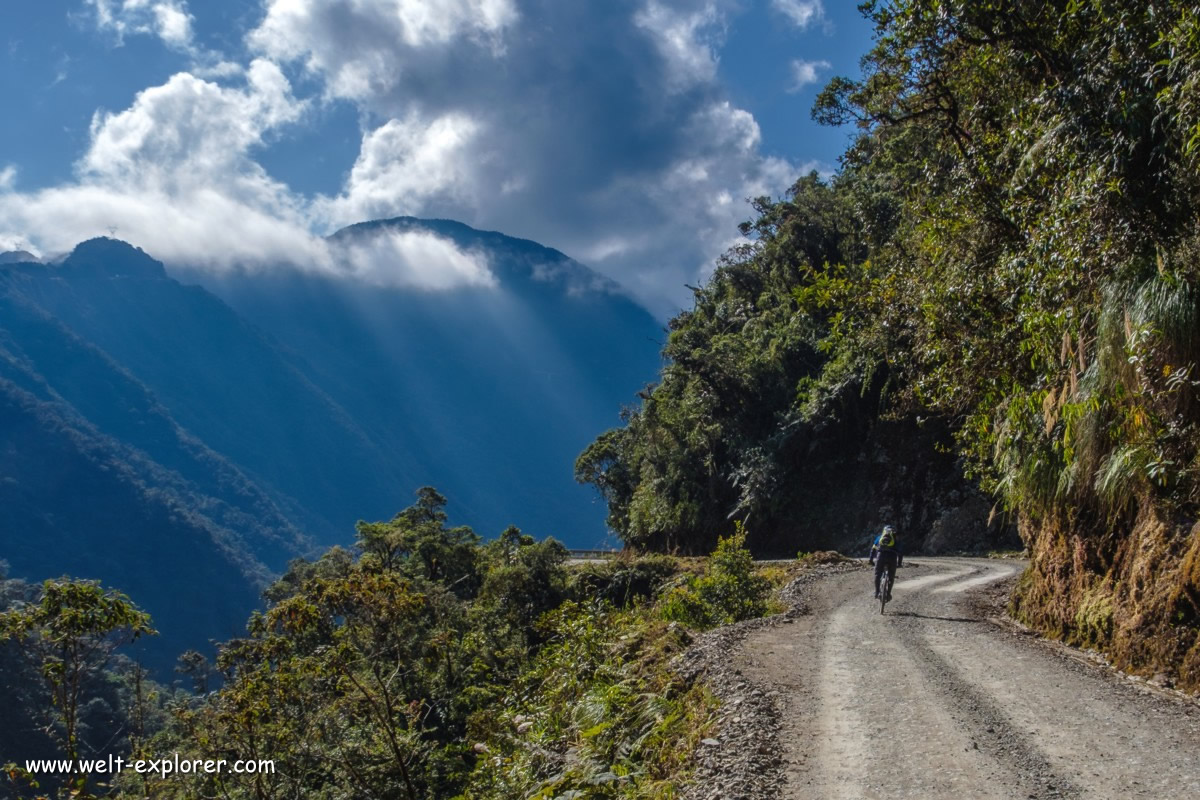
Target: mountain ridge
{"x": 250, "y": 419}
{"x": 461, "y": 233}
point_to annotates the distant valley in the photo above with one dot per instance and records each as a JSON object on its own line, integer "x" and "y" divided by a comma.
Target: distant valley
{"x": 181, "y": 435}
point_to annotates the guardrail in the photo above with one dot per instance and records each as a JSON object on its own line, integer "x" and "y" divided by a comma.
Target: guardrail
{"x": 594, "y": 553}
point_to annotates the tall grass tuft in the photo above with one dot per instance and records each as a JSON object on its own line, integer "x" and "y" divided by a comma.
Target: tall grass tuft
{"x": 1107, "y": 432}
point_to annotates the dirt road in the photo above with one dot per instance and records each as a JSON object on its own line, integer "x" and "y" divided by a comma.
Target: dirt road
{"x": 932, "y": 700}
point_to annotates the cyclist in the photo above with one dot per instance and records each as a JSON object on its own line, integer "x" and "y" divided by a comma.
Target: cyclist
{"x": 885, "y": 554}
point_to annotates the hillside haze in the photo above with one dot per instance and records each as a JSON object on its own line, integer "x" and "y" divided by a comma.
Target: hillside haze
{"x": 488, "y": 392}
{"x": 184, "y": 442}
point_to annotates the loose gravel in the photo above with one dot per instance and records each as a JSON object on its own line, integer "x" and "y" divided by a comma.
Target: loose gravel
{"x": 743, "y": 759}
{"x": 942, "y": 697}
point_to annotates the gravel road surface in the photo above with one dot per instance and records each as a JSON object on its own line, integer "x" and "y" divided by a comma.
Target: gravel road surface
{"x": 936, "y": 699}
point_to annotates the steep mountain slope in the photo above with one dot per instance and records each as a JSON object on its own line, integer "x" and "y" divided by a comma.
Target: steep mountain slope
{"x": 488, "y": 393}
{"x": 157, "y": 439}
{"x": 19, "y": 257}
{"x": 222, "y": 379}
{"x": 97, "y": 481}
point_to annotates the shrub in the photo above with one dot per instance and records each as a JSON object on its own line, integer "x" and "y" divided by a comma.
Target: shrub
{"x": 622, "y": 581}
{"x": 730, "y": 591}
{"x": 683, "y": 604}
{"x": 598, "y": 714}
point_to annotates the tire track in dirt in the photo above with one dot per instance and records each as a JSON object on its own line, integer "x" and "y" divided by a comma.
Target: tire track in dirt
{"x": 874, "y": 697}
{"x": 913, "y": 584}
{"x": 990, "y": 576}
{"x": 933, "y": 701}
{"x": 1025, "y": 766}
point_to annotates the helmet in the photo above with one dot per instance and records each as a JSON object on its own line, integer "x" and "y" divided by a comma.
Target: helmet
{"x": 888, "y": 530}
{"x": 888, "y": 537}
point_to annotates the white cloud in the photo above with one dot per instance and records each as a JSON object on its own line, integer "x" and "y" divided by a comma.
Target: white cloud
{"x": 826, "y": 170}
{"x": 206, "y": 226}
{"x": 415, "y": 259}
{"x": 61, "y": 71}
{"x": 601, "y": 129}
{"x": 174, "y": 174}
{"x": 190, "y": 129}
{"x": 215, "y": 67}
{"x": 686, "y": 39}
{"x": 805, "y": 73}
{"x": 360, "y": 46}
{"x": 14, "y": 241}
{"x": 723, "y": 126}
{"x": 703, "y": 193}
{"x": 170, "y": 20}
{"x": 403, "y": 165}
{"x": 802, "y": 13}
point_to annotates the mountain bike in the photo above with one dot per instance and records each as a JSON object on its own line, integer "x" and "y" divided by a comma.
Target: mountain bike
{"x": 885, "y": 589}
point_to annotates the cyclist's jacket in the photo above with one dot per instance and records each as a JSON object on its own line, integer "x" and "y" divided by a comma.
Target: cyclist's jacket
{"x": 886, "y": 551}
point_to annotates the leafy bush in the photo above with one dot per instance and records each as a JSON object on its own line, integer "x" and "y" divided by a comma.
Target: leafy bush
{"x": 598, "y": 714}
{"x": 730, "y": 591}
{"x": 625, "y": 580}
{"x": 683, "y": 604}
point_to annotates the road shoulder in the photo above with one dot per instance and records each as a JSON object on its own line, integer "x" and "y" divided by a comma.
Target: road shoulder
{"x": 743, "y": 760}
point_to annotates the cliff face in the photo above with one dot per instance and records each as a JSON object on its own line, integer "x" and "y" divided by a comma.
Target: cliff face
{"x": 854, "y": 468}
{"x": 1133, "y": 594}
{"x": 863, "y": 472}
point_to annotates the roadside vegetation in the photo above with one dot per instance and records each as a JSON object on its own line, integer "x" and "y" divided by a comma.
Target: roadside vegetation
{"x": 1010, "y": 252}
{"x": 423, "y": 663}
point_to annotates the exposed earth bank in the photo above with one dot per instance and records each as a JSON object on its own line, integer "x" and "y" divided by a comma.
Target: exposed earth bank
{"x": 941, "y": 697}
{"x": 1136, "y": 597}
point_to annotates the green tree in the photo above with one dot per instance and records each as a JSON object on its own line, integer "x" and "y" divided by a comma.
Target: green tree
{"x": 523, "y": 580}
{"x": 69, "y": 635}
{"x": 361, "y": 674}
{"x": 418, "y": 542}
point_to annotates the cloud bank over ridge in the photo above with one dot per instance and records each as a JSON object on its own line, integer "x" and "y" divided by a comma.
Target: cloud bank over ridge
{"x": 600, "y": 129}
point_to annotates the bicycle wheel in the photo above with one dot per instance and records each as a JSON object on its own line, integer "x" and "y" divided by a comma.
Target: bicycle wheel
{"x": 885, "y": 592}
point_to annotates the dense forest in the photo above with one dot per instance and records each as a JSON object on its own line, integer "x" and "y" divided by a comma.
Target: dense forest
{"x": 421, "y": 663}
{"x": 1009, "y": 255}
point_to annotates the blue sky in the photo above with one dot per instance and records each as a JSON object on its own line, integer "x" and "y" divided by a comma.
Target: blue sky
{"x": 627, "y": 133}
